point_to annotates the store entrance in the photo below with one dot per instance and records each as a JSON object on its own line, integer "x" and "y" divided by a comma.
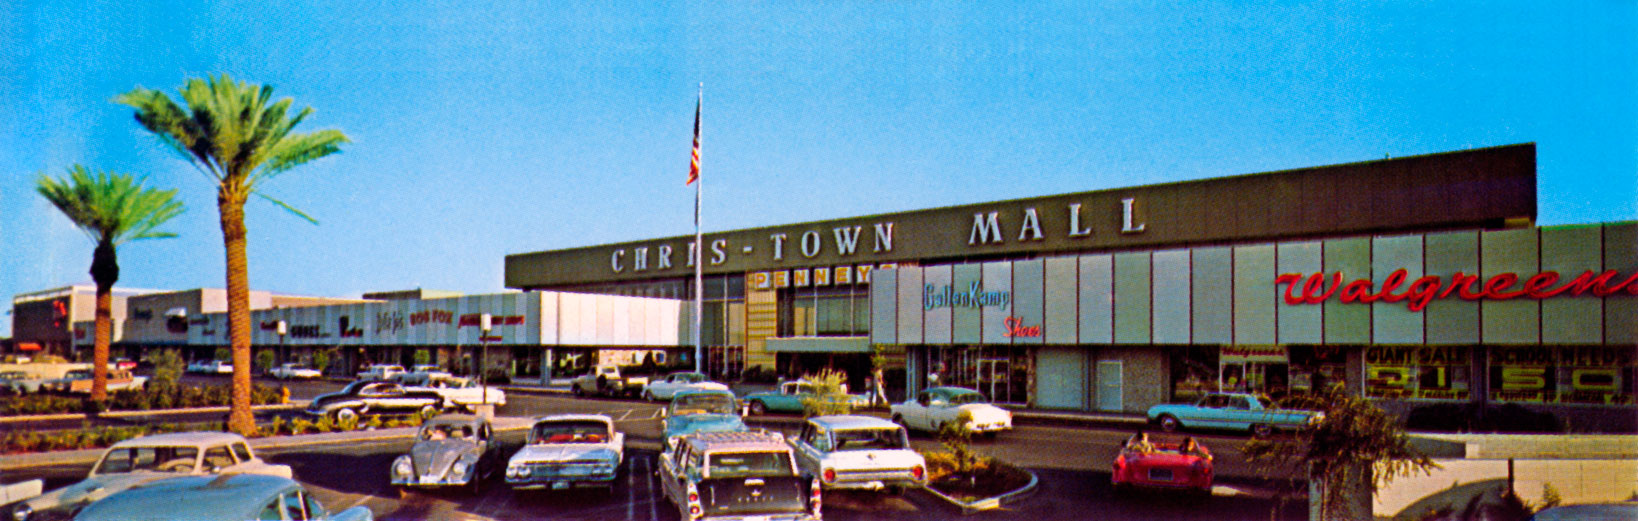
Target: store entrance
{"x": 1001, "y": 373}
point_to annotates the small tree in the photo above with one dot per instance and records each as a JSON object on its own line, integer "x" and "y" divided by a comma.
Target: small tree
{"x": 321, "y": 359}
{"x": 168, "y": 367}
{"x": 422, "y": 357}
{"x": 223, "y": 353}
{"x": 264, "y": 359}
{"x": 828, "y": 397}
{"x": 957, "y": 438}
{"x": 1349, "y": 455}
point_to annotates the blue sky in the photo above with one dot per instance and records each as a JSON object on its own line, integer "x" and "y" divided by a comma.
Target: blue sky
{"x": 486, "y": 128}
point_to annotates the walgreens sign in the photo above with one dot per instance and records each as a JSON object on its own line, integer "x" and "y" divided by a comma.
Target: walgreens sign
{"x": 1317, "y": 288}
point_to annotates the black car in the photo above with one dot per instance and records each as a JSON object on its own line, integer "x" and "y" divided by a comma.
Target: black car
{"x": 377, "y": 397}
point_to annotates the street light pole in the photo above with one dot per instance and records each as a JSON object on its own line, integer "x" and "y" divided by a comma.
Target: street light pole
{"x": 282, "y": 328}
{"x": 484, "y": 324}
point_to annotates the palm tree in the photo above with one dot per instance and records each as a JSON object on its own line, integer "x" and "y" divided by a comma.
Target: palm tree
{"x": 112, "y": 209}
{"x": 236, "y": 135}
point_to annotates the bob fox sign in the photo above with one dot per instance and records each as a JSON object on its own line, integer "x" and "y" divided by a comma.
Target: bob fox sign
{"x": 1318, "y": 288}
{"x": 1410, "y": 193}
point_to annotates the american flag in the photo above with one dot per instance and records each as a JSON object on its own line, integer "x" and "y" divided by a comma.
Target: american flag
{"x": 694, "y": 166}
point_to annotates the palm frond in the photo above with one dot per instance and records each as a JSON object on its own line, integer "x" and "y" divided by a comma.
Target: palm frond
{"x": 287, "y": 207}
{"x": 110, "y": 206}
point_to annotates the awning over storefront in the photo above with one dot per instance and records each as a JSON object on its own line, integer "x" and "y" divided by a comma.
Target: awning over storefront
{"x": 811, "y": 344}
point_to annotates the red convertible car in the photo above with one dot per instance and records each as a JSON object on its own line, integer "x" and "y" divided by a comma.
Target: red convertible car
{"x": 1162, "y": 465}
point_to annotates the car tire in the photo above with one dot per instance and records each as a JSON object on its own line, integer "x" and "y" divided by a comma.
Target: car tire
{"x": 898, "y": 419}
{"x": 342, "y": 414}
{"x": 758, "y": 408}
{"x": 428, "y": 411}
{"x": 574, "y": 389}
{"x": 648, "y": 396}
{"x": 1169, "y": 423}
{"x": 1262, "y": 430}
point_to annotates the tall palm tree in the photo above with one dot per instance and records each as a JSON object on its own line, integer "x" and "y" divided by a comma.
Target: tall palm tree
{"x": 236, "y": 135}
{"x": 111, "y": 209}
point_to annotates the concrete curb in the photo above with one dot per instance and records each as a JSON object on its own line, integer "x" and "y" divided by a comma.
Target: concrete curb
{"x": 989, "y": 503}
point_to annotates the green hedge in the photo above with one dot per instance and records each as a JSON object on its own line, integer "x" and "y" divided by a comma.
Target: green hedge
{"x": 155, "y": 396}
{"x": 90, "y": 437}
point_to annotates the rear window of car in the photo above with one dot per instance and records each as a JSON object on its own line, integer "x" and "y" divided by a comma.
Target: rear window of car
{"x": 572, "y": 432}
{"x": 165, "y": 459}
{"x": 871, "y": 439}
{"x": 744, "y": 464}
{"x": 702, "y": 404}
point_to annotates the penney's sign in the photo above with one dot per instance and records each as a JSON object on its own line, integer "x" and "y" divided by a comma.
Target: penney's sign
{"x": 1317, "y": 288}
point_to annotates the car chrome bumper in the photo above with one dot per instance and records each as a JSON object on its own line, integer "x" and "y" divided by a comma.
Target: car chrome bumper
{"x": 430, "y": 481}
{"x": 561, "y": 482}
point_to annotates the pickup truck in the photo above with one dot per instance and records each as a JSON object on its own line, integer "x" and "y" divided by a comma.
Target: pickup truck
{"x": 606, "y": 380}
{"x": 1233, "y": 411}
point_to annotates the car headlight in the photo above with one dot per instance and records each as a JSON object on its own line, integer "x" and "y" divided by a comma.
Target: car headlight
{"x": 514, "y": 471}
{"x": 459, "y": 468}
{"x": 402, "y": 467}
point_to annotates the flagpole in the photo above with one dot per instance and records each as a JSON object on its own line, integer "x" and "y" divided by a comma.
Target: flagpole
{"x": 699, "y": 243}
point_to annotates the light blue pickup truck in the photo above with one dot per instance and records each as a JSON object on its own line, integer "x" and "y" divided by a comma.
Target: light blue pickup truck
{"x": 1232, "y": 411}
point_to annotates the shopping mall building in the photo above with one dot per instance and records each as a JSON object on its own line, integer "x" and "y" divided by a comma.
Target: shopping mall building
{"x": 1418, "y": 280}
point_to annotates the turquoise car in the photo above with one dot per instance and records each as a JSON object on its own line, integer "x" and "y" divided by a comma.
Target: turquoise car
{"x": 227, "y": 497}
{"x": 1233, "y": 411}
{"x": 694, "y": 412}
{"x": 789, "y": 398}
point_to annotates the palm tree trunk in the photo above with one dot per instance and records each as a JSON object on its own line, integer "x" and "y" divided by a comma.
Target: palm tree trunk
{"x": 232, "y": 207}
{"x": 104, "y": 271}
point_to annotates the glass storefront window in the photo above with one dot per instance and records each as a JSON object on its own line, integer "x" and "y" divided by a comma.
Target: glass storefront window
{"x": 1420, "y": 372}
{"x": 1578, "y": 375}
{"x": 1001, "y": 373}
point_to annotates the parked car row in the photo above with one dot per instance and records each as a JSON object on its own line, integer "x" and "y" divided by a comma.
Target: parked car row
{"x": 187, "y": 475}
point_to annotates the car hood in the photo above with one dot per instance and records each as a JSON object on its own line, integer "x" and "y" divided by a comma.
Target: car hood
{"x": 93, "y": 489}
{"x": 434, "y": 457}
{"x": 696, "y": 423}
{"x": 873, "y": 459}
{"x": 560, "y": 452}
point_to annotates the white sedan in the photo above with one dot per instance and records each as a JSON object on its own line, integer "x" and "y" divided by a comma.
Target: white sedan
{"x": 674, "y": 382}
{"x": 147, "y": 459}
{"x": 288, "y": 371}
{"x": 933, "y": 408}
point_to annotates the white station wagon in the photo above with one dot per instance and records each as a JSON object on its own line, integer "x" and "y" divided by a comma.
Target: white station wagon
{"x": 858, "y": 452}
{"x": 142, "y": 460}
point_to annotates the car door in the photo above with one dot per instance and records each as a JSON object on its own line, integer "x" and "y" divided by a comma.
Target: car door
{"x": 807, "y": 450}
{"x": 671, "y": 469}
{"x": 1238, "y": 414}
{"x": 1210, "y": 412}
{"x": 915, "y": 413}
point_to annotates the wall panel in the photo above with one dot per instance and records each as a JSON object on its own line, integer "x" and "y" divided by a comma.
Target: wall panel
{"x": 1097, "y": 297}
{"x": 1132, "y": 294}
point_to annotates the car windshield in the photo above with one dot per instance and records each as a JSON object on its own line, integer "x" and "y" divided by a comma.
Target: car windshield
{"x": 871, "y": 439}
{"x": 688, "y": 378}
{"x": 353, "y": 388}
{"x": 156, "y": 459}
{"x": 744, "y": 464}
{"x": 1267, "y": 404}
{"x": 702, "y": 404}
{"x": 571, "y": 432}
{"x": 446, "y": 431}
{"x": 965, "y": 398}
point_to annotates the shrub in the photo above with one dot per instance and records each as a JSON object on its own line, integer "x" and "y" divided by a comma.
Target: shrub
{"x": 321, "y": 359}
{"x": 167, "y": 367}
{"x": 300, "y": 426}
{"x": 828, "y": 397}
{"x": 265, "y": 359}
{"x": 347, "y": 424}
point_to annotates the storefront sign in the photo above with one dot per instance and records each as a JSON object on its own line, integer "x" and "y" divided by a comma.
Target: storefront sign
{"x": 1316, "y": 288}
{"x": 974, "y": 296}
{"x": 1585, "y": 375}
{"x": 473, "y": 319}
{"x": 1426, "y": 372}
{"x": 1238, "y": 354}
{"x": 1016, "y": 329}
